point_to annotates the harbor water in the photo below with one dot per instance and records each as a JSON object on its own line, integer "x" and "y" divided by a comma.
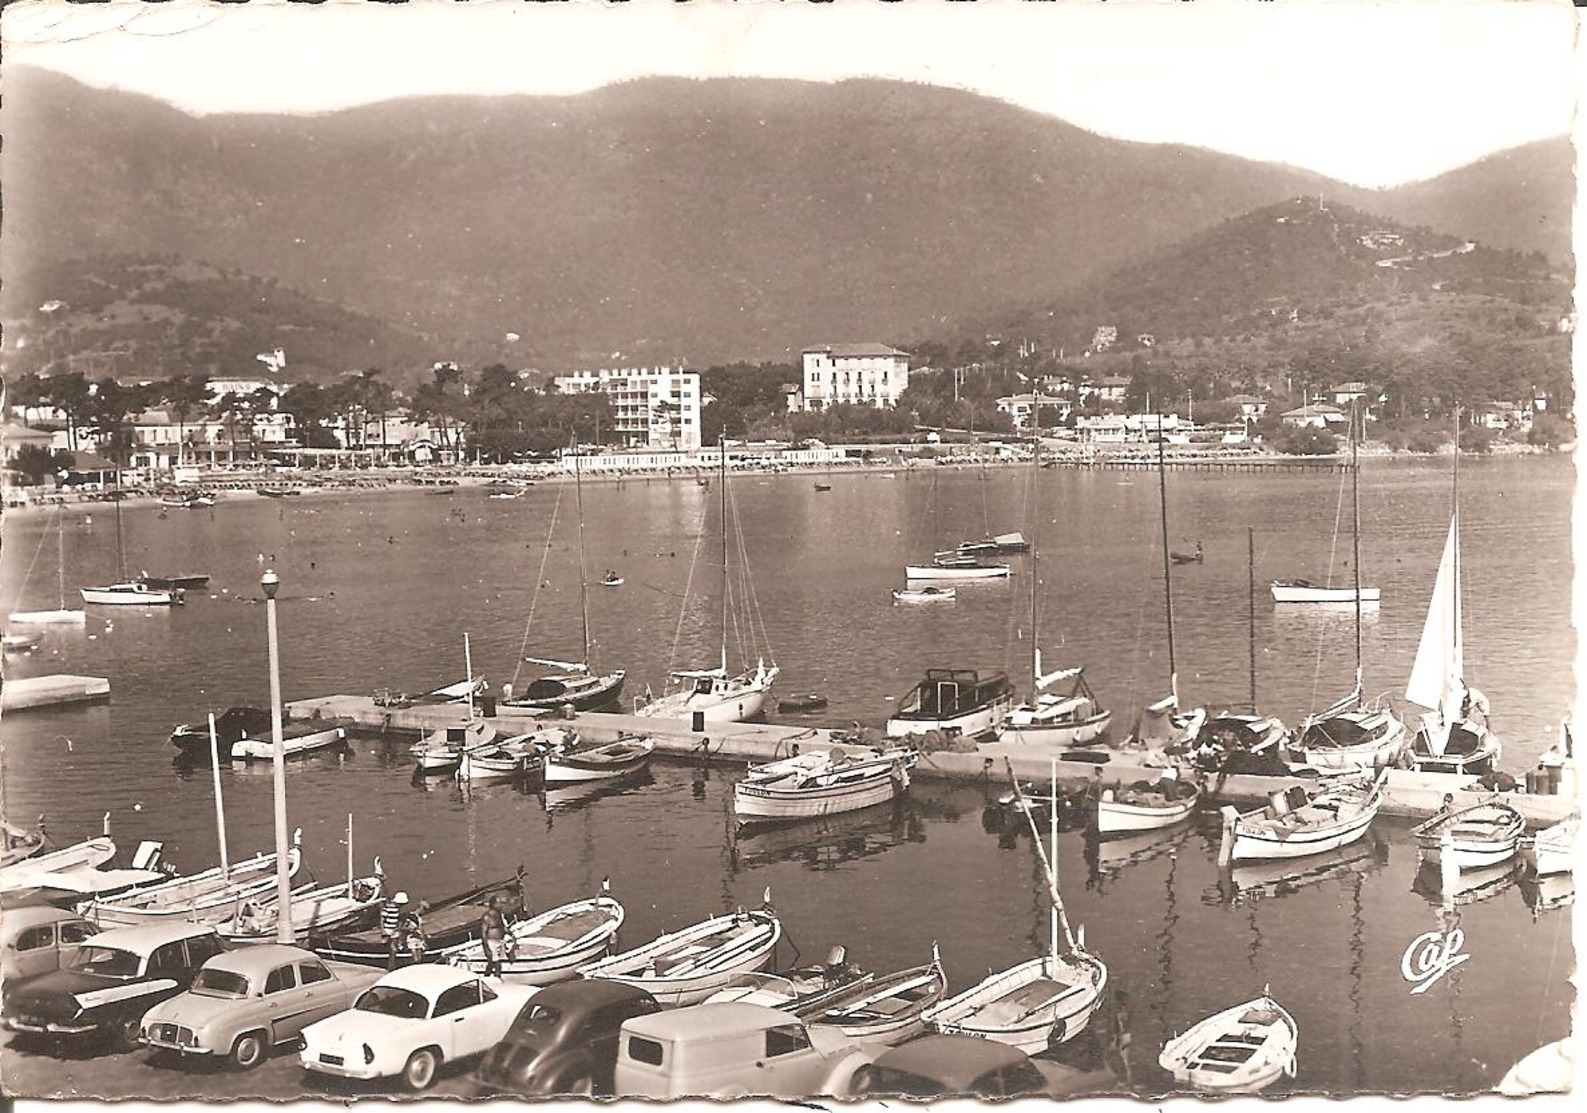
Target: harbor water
{"x": 379, "y": 589}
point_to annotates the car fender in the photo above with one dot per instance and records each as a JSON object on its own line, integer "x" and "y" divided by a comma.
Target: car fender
{"x": 839, "y": 1080}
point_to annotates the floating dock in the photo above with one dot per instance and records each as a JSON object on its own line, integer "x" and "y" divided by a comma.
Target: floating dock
{"x": 34, "y": 692}
{"x": 1408, "y": 794}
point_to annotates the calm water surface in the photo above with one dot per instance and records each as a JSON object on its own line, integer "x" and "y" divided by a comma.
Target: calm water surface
{"x": 380, "y": 588}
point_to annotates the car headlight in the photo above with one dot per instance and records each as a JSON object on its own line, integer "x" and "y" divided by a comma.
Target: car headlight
{"x": 369, "y": 1054}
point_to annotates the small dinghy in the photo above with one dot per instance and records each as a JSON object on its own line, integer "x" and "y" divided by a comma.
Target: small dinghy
{"x": 685, "y": 967}
{"x": 520, "y": 756}
{"x": 845, "y": 782}
{"x": 552, "y": 946}
{"x": 1146, "y": 805}
{"x": 442, "y": 751}
{"x": 788, "y": 990}
{"x": 313, "y": 909}
{"x": 184, "y": 580}
{"x": 611, "y": 579}
{"x": 801, "y": 703}
{"x": 1484, "y": 834}
{"x": 1553, "y": 849}
{"x": 925, "y": 595}
{"x": 578, "y": 762}
{"x": 1242, "y": 1050}
{"x": 888, "y": 1009}
{"x": 134, "y": 593}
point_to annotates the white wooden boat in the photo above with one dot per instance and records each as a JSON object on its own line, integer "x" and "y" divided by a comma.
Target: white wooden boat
{"x": 1296, "y": 822}
{"x": 1304, "y": 591}
{"x": 788, "y": 990}
{"x": 314, "y": 909}
{"x": 926, "y": 594}
{"x": 87, "y": 854}
{"x": 20, "y": 845}
{"x": 713, "y": 696}
{"x": 1484, "y": 834}
{"x": 554, "y": 945}
{"x": 953, "y": 701}
{"x": 1454, "y": 736}
{"x": 1062, "y": 718}
{"x": 300, "y": 740}
{"x": 956, "y": 570}
{"x": 685, "y": 967}
{"x": 132, "y": 593}
{"x": 1241, "y": 1050}
{"x": 206, "y": 897}
{"x": 888, "y": 1009}
{"x": 519, "y": 756}
{"x": 1553, "y": 849}
{"x": 578, "y": 763}
{"x": 1349, "y": 736}
{"x": 441, "y": 751}
{"x": 1146, "y": 805}
{"x": 845, "y": 783}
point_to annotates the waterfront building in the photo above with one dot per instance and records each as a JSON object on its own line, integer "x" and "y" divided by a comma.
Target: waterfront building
{"x": 653, "y": 407}
{"x": 1318, "y": 415}
{"x": 854, "y": 374}
{"x": 1019, "y": 408}
{"x": 219, "y": 388}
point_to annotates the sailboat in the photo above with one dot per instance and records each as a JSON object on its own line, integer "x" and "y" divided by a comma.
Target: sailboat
{"x": 1351, "y": 734}
{"x": 574, "y": 683}
{"x": 1162, "y": 725}
{"x": 441, "y": 751}
{"x": 1045, "y": 1000}
{"x": 129, "y": 592}
{"x": 711, "y": 695}
{"x": 1069, "y": 717}
{"x": 61, "y": 616}
{"x": 1453, "y": 736}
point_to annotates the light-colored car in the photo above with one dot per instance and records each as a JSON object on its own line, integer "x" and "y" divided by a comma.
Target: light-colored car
{"x": 411, "y": 1021}
{"x": 730, "y": 1050}
{"x": 36, "y": 940}
{"x": 946, "y": 1066}
{"x": 245, "y": 1002}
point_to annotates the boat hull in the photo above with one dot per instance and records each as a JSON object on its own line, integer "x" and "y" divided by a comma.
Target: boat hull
{"x": 733, "y": 701}
{"x": 128, "y": 595}
{"x": 1242, "y": 1050}
{"x": 1294, "y": 592}
{"x": 1057, "y": 734}
{"x": 1377, "y": 738}
{"x": 1260, "y": 835}
{"x": 205, "y": 898}
{"x": 1124, "y": 817}
{"x": 598, "y": 763}
{"x": 1000, "y": 1007}
{"x": 932, "y": 572}
{"x": 62, "y": 617}
{"x": 971, "y": 722}
{"x": 765, "y": 803}
{"x": 294, "y": 745}
{"x": 1473, "y": 838}
{"x": 584, "y": 693}
{"x": 555, "y": 945}
{"x": 684, "y": 968}
{"x": 1552, "y": 850}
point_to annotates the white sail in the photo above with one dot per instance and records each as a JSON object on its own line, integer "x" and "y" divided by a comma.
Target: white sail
{"x": 1437, "y": 677}
{"x": 1047, "y": 680}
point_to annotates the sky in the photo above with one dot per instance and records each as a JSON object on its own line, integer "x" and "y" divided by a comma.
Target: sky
{"x": 1372, "y": 93}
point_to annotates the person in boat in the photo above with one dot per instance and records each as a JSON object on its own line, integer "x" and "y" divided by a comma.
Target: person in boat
{"x": 493, "y": 934}
{"x": 1475, "y": 707}
{"x": 391, "y": 925}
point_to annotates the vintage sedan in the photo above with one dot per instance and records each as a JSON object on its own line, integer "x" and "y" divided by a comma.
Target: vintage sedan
{"x": 732, "y": 1050}
{"x": 36, "y": 940}
{"x": 410, "y": 1022}
{"x": 947, "y": 1066}
{"x": 113, "y": 980}
{"x": 565, "y": 1041}
{"x": 244, "y": 1003}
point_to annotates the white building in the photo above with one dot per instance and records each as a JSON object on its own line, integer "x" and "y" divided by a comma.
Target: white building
{"x": 1020, "y": 407}
{"x": 856, "y": 374}
{"x": 653, "y": 408}
{"x": 219, "y": 388}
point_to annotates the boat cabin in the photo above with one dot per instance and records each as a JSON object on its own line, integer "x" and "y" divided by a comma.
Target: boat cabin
{"x": 949, "y": 693}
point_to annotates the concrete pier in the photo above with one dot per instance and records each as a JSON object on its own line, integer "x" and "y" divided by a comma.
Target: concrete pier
{"x": 33, "y": 692}
{"x": 1408, "y": 794}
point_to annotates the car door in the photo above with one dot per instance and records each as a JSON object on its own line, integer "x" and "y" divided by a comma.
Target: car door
{"x": 34, "y": 950}
{"x": 790, "y": 1065}
{"x": 599, "y": 1035}
{"x": 282, "y": 1002}
{"x": 470, "y": 1021}
{"x": 320, "y": 993}
{"x": 72, "y": 935}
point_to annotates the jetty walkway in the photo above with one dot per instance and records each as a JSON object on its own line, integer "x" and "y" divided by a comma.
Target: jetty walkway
{"x": 1408, "y": 794}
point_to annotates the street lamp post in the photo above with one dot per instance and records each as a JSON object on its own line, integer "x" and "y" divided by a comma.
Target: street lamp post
{"x": 270, "y": 582}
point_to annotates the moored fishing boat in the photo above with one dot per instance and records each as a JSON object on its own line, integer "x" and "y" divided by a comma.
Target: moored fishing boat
{"x": 1304, "y": 591}
{"x": 450, "y": 925}
{"x": 297, "y": 740}
{"x": 314, "y": 909}
{"x": 1146, "y": 805}
{"x": 1297, "y": 822}
{"x": 1236, "y": 742}
{"x": 573, "y": 761}
{"x": 845, "y": 782}
{"x": 1553, "y": 849}
{"x": 927, "y": 594}
{"x": 789, "y": 990}
{"x": 519, "y": 756}
{"x": 801, "y": 702}
{"x": 552, "y": 946}
{"x": 886, "y": 1009}
{"x": 687, "y": 966}
{"x": 955, "y": 567}
{"x": 1482, "y": 834}
{"x": 1241, "y": 1050}
{"x": 958, "y": 701}
{"x": 206, "y": 897}
{"x": 441, "y": 751}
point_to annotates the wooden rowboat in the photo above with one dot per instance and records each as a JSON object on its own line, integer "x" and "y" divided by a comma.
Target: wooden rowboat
{"x": 1241, "y": 1050}
{"x": 685, "y": 967}
{"x": 553, "y": 945}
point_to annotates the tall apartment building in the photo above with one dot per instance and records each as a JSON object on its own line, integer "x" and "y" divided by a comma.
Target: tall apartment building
{"x": 653, "y": 407}
{"x": 861, "y": 374}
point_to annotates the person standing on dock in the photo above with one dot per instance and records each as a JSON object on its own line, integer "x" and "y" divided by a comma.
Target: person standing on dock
{"x": 413, "y": 931}
{"x": 391, "y": 926}
{"x": 493, "y": 933}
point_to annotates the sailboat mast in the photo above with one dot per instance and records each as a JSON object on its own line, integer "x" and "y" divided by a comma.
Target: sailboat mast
{"x": 722, "y": 442}
{"x": 1250, "y": 596}
{"x": 121, "y": 549}
{"x": 1035, "y": 539}
{"x": 1052, "y": 835}
{"x": 1355, "y": 542}
{"x": 1060, "y": 920}
{"x": 60, "y": 555}
{"x": 1455, "y": 515}
{"x": 1168, "y": 581}
{"x": 468, "y": 668}
{"x": 584, "y": 587}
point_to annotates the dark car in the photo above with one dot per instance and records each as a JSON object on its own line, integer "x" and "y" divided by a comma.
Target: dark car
{"x": 115, "y": 977}
{"x": 565, "y": 1040}
{"x": 943, "y": 1066}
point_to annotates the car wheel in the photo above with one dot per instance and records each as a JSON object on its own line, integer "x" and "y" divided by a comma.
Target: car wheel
{"x": 125, "y": 1033}
{"x": 419, "y": 1071}
{"x": 250, "y": 1050}
{"x": 577, "y": 1085}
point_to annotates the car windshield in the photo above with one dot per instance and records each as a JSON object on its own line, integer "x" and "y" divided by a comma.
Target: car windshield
{"x": 109, "y": 961}
{"x": 220, "y": 983}
{"x": 538, "y": 1018}
{"x": 389, "y": 1000}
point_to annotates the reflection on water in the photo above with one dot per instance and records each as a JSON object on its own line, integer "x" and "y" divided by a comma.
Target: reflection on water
{"x": 572, "y": 797}
{"x": 1106, "y": 859}
{"x": 1249, "y": 881}
{"x": 1547, "y": 894}
{"x": 1466, "y": 887}
{"x": 830, "y": 842}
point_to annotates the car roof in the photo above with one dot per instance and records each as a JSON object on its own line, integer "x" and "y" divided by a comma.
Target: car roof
{"x": 710, "y": 1021}
{"x": 428, "y": 977}
{"x": 955, "y": 1061}
{"x": 142, "y": 938}
{"x": 259, "y": 957}
{"x": 589, "y": 994}
{"x": 20, "y": 919}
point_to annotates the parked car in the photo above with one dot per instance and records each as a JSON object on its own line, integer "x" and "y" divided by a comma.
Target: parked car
{"x": 944, "y": 1066}
{"x": 115, "y": 977}
{"x": 565, "y": 1040}
{"x": 732, "y": 1049}
{"x": 410, "y": 1022}
{"x": 243, "y": 1003}
{"x": 36, "y": 940}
